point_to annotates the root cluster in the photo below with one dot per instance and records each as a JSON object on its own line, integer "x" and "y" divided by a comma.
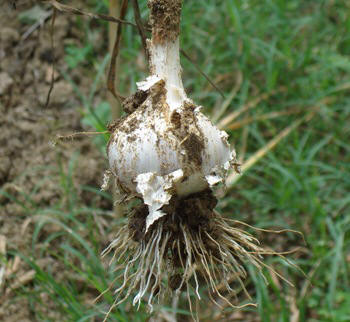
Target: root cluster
{"x": 191, "y": 246}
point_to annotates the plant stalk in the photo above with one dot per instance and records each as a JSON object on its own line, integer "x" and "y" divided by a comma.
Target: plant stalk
{"x": 164, "y": 48}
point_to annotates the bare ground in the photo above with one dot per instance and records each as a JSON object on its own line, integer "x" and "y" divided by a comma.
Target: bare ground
{"x": 29, "y": 171}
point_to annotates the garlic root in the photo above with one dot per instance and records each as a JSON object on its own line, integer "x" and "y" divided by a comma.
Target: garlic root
{"x": 193, "y": 245}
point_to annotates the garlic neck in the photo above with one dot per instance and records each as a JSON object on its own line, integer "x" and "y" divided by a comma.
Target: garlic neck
{"x": 165, "y": 64}
{"x": 164, "y": 48}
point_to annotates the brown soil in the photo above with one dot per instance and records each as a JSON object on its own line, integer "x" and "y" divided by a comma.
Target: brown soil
{"x": 29, "y": 164}
{"x": 194, "y": 211}
{"x": 165, "y": 19}
{"x": 131, "y": 103}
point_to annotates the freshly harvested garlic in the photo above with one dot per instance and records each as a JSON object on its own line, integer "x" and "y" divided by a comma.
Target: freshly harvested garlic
{"x": 166, "y": 146}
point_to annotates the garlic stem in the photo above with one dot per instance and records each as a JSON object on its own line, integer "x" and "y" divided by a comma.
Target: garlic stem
{"x": 165, "y": 63}
{"x": 164, "y": 48}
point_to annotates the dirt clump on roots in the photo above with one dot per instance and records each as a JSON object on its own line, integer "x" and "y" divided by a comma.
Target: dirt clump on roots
{"x": 194, "y": 211}
{"x": 190, "y": 246}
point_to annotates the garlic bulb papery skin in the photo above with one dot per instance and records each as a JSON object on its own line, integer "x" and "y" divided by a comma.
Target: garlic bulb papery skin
{"x": 166, "y": 146}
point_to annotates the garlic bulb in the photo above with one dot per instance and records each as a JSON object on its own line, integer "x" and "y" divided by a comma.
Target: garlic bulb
{"x": 166, "y": 146}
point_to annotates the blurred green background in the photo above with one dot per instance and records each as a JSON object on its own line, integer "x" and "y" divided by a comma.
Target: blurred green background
{"x": 278, "y": 61}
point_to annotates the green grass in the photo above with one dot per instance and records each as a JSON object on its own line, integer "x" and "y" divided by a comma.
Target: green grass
{"x": 302, "y": 184}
